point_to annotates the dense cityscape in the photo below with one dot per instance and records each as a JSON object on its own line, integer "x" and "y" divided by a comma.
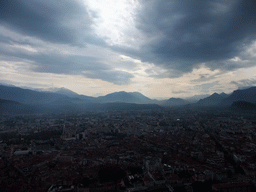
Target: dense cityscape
{"x": 170, "y": 149}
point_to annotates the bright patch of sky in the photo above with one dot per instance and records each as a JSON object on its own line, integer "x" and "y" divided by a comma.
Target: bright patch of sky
{"x": 115, "y": 21}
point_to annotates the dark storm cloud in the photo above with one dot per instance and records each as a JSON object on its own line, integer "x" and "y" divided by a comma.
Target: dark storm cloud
{"x": 55, "y": 21}
{"x": 72, "y": 65}
{"x": 87, "y": 66}
{"x": 59, "y": 22}
{"x": 116, "y": 77}
{"x": 245, "y": 83}
{"x": 178, "y": 35}
{"x": 186, "y": 33}
{"x": 63, "y": 64}
{"x": 206, "y": 77}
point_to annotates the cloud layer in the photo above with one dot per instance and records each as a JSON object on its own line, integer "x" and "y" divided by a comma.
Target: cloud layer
{"x": 185, "y": 34}
{"x": 55, "y": 21}
{"x": 184, "y": 46}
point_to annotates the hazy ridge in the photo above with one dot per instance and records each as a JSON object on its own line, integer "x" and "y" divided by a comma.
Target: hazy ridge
{"x": 19, "y": 100}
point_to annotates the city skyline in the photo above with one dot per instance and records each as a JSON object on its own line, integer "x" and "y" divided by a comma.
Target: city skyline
{"x": 158, "y": 48}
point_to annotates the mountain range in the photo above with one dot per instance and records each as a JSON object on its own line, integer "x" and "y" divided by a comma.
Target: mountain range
{"x": 175, "y": 102}
{"x": 19, "y": 100}
{"x": 212, "y": 100}
{"x": 248, "y": 95}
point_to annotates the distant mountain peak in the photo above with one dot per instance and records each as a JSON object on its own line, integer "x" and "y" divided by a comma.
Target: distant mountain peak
{"x": 65, "y": 91}
{"x": 248, "y": 95}
{"x": 126, "y": 97}
{"x": 175, "y": 102}
{"x": 212, "y": 100}
{"x": 215, "y": 94}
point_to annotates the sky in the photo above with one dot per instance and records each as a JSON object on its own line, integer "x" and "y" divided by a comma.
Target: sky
{"x": 159, "y": 48}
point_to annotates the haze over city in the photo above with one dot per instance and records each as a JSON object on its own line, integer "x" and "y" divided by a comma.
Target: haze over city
{"x": 161, "y": 49}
